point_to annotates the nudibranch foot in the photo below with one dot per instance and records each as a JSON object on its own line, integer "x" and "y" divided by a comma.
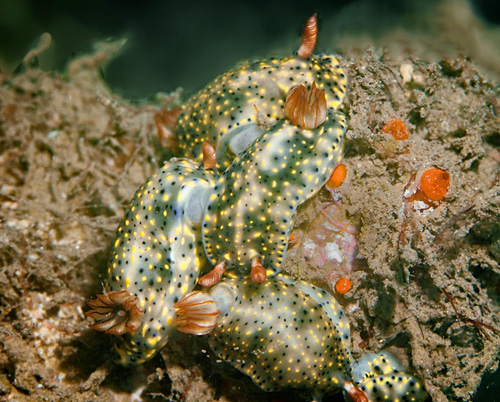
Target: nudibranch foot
{"x": 197, "y": 313}
{"x": 115, "y": 313}
{"x": 258, "y": 272}
{"x": 309, "y": 37}
{"x": 306, "y": 109}
{"x": 214, "y": 276}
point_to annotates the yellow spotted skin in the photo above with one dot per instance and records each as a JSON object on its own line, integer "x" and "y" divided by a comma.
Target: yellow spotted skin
{"x": 158, "y": 253}
{"x": 282, "y": 333}
{"x": 382, "y": 378}
{"x": 237, "y": 106}
{"x": 250, "y": 214}
{"x": 287, "y": 333}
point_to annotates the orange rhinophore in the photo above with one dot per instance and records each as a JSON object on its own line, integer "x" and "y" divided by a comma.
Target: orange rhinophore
{"x": 435, "y": 183}
{"x": 258, "y": 272}
{"x": 309, "y": 37}
{"x": 343, "y": 285}
{"x": 338, "y": 176}
{"x": 397, "y": 129}
{"x": 209, "y": 156}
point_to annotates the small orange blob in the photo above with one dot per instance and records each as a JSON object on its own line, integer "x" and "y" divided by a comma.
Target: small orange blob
{"x": 435, "y": 183}
{"x": 397, "y": 129}
{"x": 338, "y": 176}
{"x": 343, "y": 285}
{"x": 293, "y": 240}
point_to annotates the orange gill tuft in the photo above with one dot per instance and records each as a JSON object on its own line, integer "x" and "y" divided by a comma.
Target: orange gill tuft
{"x": 306, "y": 109}
{"x": 115, "y": 312}
{"x": 197, "y": 313}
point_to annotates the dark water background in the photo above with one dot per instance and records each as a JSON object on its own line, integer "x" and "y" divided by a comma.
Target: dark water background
{"x": 187, "y": 43}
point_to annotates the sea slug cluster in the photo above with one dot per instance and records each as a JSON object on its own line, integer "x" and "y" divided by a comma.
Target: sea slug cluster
{"x": 265, "y": 138}
{"x": 157, "y": 257}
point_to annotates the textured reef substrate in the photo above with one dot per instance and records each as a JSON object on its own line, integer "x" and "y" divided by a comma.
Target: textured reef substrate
{"x": 425, "y": 281}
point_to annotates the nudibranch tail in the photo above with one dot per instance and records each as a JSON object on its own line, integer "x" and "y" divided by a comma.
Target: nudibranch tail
{"x": 214, "y": 276}
{"x": 306, "y": 109}
{"x": 393, "y": 387}
{"x": 115, "y": 312}
{"x": 381, "y": 377}
{"x": 197, "y": 313}
{"x": 309, "y": 37}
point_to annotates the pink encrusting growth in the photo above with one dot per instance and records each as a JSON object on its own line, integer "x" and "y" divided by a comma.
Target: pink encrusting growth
{"x": 330, "y": 241}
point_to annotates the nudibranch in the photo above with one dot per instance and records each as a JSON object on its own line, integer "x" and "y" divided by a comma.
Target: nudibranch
{"x": 381, "y": 377}
{"x": 286, "y": 333}
{"x": 239, "y": 106}
{"x": 249, "y": 216}
{"x": 280, "y": 332}
{"x": 157, "y": 258}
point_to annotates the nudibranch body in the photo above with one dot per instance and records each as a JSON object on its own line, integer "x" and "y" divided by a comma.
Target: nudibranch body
{"x": 250, "y": 213}
{"x": 157, "y": 256}
{"x": 281, "y": 333}
{"x": 238, "y": 106}
{"x": 286, "y": 333}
